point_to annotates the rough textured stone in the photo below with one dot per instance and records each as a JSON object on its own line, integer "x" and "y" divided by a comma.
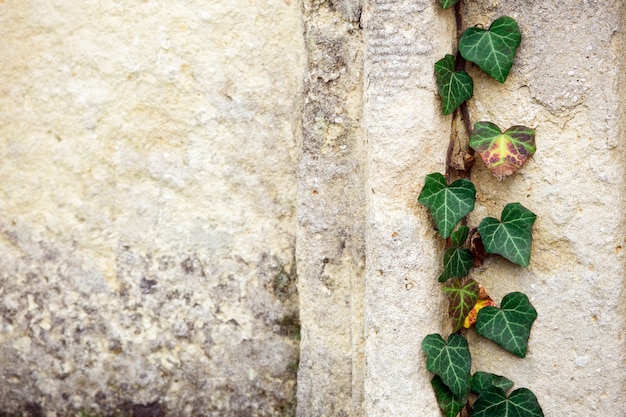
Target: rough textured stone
{"x": 406, "y": 139}
{"x": 568, "y": 83}
{"x": 331, "y": 214}
{"x": 147, "y": 207}
{"x": 165, "y": 166}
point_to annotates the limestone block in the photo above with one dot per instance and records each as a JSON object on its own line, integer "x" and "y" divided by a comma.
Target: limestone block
{"x": 331, "y": 214}
{"x": 568, "y": 83}
{"x": 147, "y": 207}
{"x": 406, "y": 139}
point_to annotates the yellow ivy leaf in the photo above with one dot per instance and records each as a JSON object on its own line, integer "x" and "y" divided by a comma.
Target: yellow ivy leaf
{"x": 483, "y": 301}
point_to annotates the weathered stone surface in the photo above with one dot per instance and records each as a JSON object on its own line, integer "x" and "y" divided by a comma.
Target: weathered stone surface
{"x": 165, "y": 165}
{"x": 147, "y": 207}
{"x": 331, "y": 214}
{"x": 568, "y": 83}
{"x": 406, "y": 139}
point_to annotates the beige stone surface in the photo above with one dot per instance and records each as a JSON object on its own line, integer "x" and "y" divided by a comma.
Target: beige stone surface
{"x": 568, "y": 83}
{"x": 404, "y": 130}
{"x": 147, "y": 206}
{"x": 183, "y": 183}
{"x": 331, "y": 214}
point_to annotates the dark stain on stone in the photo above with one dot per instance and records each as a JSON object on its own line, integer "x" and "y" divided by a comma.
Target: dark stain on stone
{"x": 191, "y": 265}
{"x": 147, "y": 285}
{"x": 149, "y": 410}
{"x": 33, "y": 410}
{"x": 289, "y": 326}
{"x": 100, "y": 398}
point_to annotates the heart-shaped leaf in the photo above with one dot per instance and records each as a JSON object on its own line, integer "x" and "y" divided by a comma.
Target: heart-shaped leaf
{"x": 457, "y": 263}
{"x": 454, "y": 86}
{"x": 493, "y": 402}
{"x": 492, "y": 50}
{"x": 462, "y": 297}
{"x": 451, "y": 361}
{"x": 448, "y": 204}
{"x": 446, "y": 4}
{"x": 449, "y": 403}
{"x": 511, "y": 237}
{"x": 503, "y": 153}
{"x": 483, "y": 380}
{"x": 509, "y": 325}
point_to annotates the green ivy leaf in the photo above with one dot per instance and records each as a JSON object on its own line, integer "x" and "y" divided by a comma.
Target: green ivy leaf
{"x": 446, "y": 4}
{"x": 503, "y": 153}
{"x": 483, "y": 380}
{"x": 511, "y": 237}
{"x": 462, "y": 297}
{"x": 457, "y": 263}
{"x": 459, "y": 236}
{"x": 451, "y": 361}
{"x": 449, "y": 403}
{"x": 448, "y": 204}
{"x": 493, "y": 402}
{"x": 509, "y": 326}
{"x": 454, "y": 86}
{"x": 492, "y": 50}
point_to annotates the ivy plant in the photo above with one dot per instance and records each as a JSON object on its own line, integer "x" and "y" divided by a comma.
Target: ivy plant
{"x": 450, "y": 202}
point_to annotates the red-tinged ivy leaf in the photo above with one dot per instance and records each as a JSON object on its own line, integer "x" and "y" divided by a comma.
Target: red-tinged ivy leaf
{"x": 492, "y": 402}
{"x": 509, "y": 326}
{"x": 512, "y": 237}
{"x": 447, "y": 203}
{"x": 449, "y": 403}
{"x": 454, "y": 86}
{"x": 483, "y": 301}
{"x": 446, "y": 4}
{"x": 492, "y": 50}
{"x": 503, "y": 153}
{"x": 450, "y": 361}
{"x": 483, "y": 380}
{"x": 462, "y": 297}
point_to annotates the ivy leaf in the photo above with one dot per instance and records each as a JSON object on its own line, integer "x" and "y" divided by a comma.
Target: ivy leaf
{"x": 449, "y": 403}
{"x": 457, "y": 263}
{"x": 459, "y": 236}
{"x": 451, "y": 361}
{"x": 462, "y": 297}
{"x": 446, "y": 4}
{"x": 511, "y": 237}
{"x": 448, "y": 204}
{"x": 509, "y": 325}
{"x": 454, "y": 86}
{"x": 483, "y": 301}
{"x": 493, "y": 402}
{"x": 492, "y": 50}
{"x": 483, "y": 380}
{"x": 503, "y": 153}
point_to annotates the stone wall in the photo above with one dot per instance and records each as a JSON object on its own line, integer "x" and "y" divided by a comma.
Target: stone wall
{"x": 200, "y": 199}
{"x": 147, "y": 207}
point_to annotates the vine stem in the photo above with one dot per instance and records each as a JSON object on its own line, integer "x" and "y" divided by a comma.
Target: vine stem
{"x": 464, "y": 110}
